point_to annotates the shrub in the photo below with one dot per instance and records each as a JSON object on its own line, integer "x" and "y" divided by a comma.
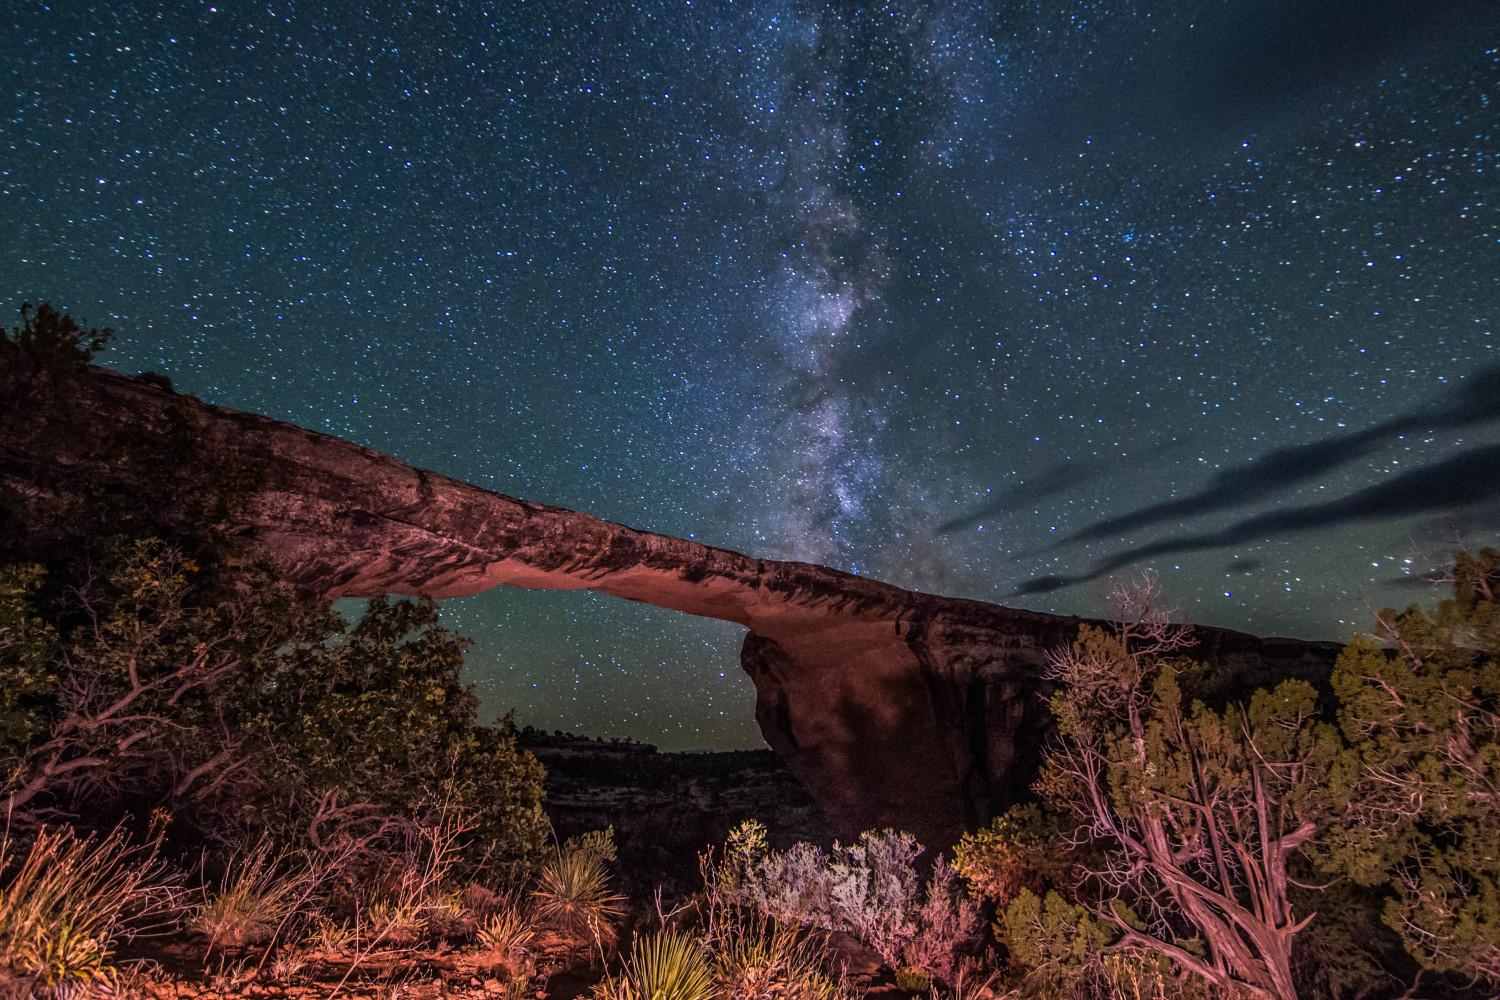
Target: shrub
{"x": 947, "y": 925}
{"x": 1420, "y": 702}
{"x": 869, "y": 889}
{"x": 368, "y": 725}
{"x": 50, "y": 340}
{"x": 28, "y": 655}
{"x": 1048, "y": 932}
{"x": 1019, "y": 849}
{"x": 249, "y": 712}
{"x": 874, "y": 891}
{"x": 790, "y": 886}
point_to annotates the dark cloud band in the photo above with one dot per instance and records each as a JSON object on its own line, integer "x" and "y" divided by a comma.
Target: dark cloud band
{"x": 1468, "y": 478}
{"x": 1476, "y": 401}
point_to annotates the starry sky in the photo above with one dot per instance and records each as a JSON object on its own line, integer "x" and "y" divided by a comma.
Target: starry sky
{"x": 999, "y": 300}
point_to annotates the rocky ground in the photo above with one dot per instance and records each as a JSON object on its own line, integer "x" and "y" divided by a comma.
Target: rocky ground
{"x": 550, "y": 968}
{"x": 180, "y": 968}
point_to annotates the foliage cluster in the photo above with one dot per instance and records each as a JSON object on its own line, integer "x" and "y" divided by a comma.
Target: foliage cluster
{"x": 723, "y": 947}
{"x": 870, "y": 889}
{"x": 64, "y": 903}
{"x": 148, "y": 661}
{"x": 256, "y": 713}
{"x": 1420, "y": 706}
{"x": 1244, "y": 849}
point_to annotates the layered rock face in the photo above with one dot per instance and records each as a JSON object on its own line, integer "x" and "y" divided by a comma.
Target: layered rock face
{"x": 667, "y": 807}
{"x": 891, "y": 707}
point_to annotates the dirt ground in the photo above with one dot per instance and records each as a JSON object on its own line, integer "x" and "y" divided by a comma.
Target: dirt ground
{"x": 552, "y": 968}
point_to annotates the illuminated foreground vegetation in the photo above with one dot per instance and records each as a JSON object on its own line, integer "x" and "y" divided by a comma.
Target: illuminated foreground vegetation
{"x": 214, "y": 786}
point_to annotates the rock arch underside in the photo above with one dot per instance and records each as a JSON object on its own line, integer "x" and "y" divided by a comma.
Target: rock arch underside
{"x": 893, "y": 708}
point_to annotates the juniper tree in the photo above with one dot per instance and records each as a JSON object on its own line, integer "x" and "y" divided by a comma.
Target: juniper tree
{"x": 1421, "y": 703}
{"x": 1188, "y": 820}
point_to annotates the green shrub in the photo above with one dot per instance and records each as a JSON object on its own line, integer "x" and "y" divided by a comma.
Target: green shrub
{"x": 250, "y": 712}
{"x": 1420, "y": 703}
{"x": 28, "y": 661}
{"x": 379, "y": 717}
{"x": 1020, "y": 849}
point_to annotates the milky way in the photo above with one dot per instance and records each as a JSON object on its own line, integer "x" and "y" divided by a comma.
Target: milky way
{"x": 990, "y": 300}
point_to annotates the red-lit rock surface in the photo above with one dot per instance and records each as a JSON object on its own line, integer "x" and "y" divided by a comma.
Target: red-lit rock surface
{"x": 891, "y": 707}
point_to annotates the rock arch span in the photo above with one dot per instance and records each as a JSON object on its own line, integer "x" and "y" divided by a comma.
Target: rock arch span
{"x": 891, "y": 707}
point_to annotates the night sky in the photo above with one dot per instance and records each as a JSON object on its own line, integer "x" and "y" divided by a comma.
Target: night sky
{"x": 995, "y": 300}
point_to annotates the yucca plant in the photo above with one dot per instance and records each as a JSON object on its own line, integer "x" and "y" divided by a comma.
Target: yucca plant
{"x": 393, "y": 923}
{"x": 573, "y": 892}
{"x": 506, "y": 931}
{"x": 64, "y": 903}
{"x": 256, "y": 898}
{"x": 664, "y": 966}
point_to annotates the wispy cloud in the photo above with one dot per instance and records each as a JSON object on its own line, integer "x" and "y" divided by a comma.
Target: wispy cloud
{"x": 1468, "y": 478}
{"x": 1477, "y": 400}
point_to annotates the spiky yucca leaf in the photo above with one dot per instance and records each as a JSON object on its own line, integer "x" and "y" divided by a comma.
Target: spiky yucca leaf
{"x": 664, "y": 966}
{"x": 573, "y": 892}
{"x": 505, "y": 931}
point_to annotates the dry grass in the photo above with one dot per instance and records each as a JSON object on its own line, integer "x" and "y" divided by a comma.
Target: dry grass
{"x": 288, "y": 965}
{"x": 761, "y": 961}
{"x": 256, "y": 898}
{"x": 66, "y": 902}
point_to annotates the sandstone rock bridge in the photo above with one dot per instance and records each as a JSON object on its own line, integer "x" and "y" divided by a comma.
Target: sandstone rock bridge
{"x": 891, "y": 707}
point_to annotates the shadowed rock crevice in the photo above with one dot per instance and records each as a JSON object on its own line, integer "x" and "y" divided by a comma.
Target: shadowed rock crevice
{"x": 891, "y": 707}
